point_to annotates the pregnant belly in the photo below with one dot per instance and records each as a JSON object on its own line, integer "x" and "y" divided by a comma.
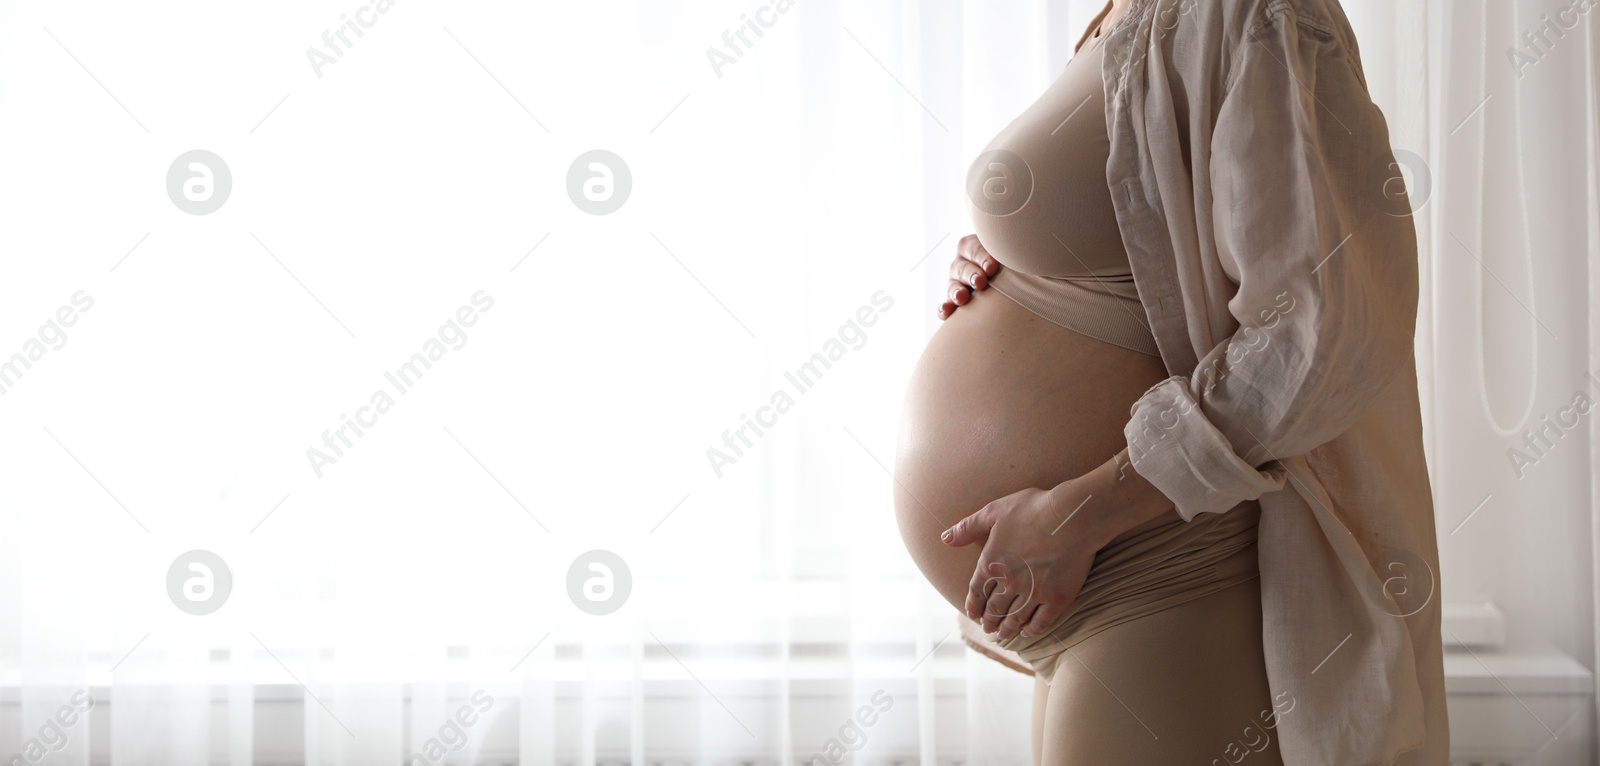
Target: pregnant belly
{"x": 1002, "y": 400}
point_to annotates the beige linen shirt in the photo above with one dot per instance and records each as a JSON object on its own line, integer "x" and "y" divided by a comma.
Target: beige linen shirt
{"x": 1272, "y": 247}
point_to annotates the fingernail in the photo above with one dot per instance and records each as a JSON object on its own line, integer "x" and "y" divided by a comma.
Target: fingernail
{"x": 947, "y": 537}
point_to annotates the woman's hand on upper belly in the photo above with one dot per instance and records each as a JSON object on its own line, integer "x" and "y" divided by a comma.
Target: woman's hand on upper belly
{"x": 1034, "y": 562}
{"x": 969, "y": 273}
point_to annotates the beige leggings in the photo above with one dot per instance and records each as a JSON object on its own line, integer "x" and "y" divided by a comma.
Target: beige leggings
{"x": 1185, "y": 685}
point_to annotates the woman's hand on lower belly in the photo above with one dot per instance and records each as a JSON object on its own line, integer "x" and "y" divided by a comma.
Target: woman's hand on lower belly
{"x": 1034, "y": 559}
{"x": 1039, "y": 544}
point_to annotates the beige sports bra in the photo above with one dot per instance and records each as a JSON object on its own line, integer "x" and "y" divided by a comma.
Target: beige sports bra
{"x": 1041, "y": 204}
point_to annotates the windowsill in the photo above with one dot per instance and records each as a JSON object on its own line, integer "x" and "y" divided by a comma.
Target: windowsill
{"x": 1474, "y": 671}
{"x": 1473, "y": 625}
{"x": 1544, "y": 671}
{"x": 1476, "y": 662}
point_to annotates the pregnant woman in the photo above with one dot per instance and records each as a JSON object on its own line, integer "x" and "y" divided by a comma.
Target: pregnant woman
{"x": 1246, "y": 566}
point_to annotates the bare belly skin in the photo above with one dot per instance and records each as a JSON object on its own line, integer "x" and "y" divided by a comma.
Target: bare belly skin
{"x": 1002, "y": 400}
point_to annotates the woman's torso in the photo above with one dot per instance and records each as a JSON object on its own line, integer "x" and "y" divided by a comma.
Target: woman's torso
{"x": 1041, "y": 204}
{"x": 1037, "y": 193}
{"x": 1004, "y": 399}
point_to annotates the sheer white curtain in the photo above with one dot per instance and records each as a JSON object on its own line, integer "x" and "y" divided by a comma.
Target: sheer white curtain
{"x": 783, "y": 179}
{"x": 1496, "y": 100}
{"x": 394, "y": 169}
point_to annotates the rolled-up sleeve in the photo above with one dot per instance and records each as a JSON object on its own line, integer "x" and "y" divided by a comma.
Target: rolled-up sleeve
{"x": 1323, "y": 277}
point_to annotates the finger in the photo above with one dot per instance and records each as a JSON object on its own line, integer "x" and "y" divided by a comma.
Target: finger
{"x": 998, "y": 593}
{"x": 972, "y": 529}
{"x": 1009, "y": 622}
{"x": 958, "y": 293}
{"x": 967, "y": 247}
{"x": 972, "y": 250}
{"x": 999, "y": 607}
{"x": 1045, "y": 619}
{"x": 969, "y": 273}
{"x": 979, "y": 589}
{"x": 946, "y": 310}
{"x": 1017, "y": 617}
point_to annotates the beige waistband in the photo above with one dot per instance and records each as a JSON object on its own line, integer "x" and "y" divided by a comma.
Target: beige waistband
{"x": 1105, "y": 308}
{"x": 1156, "y": 570}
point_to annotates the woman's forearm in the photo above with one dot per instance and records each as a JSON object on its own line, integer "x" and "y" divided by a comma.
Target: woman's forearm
{"x": 1114, "y": 499}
